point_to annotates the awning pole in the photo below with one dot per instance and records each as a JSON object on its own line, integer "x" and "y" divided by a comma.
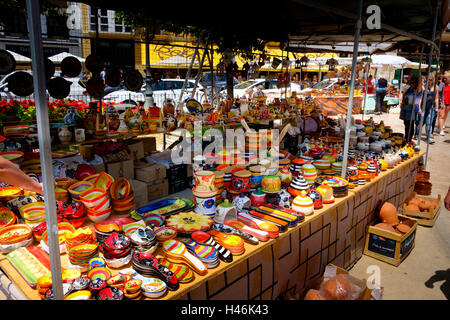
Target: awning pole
{"x": 352, "y": 89}
{"x": 34, "y": 27}
{"x": 430, "y": 60}
{"x": 438, "y": 53}
{"x": 365, "y": 92}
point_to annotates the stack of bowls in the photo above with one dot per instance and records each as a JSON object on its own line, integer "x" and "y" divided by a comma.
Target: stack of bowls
{"x": 227, "y": 176}
{"x": 97, "y": 204}
{"x": 117, "y": 250}
{"x": 33, "y": 213}
{"x": 102, "y": 231}
{"x": 80, "y": 236}
{"x": 153, "y": 288}
{"x": 78, "y": 188}
{"x": 322, "y": 164}
{"x": 337, "y": 168}
{"x": 130, "y": 228}
{"x": 309, "y": 172}
{"x": 61, "y": 194}
{"x": 80, "y": 254}
{"x": 64, "y": 228}
{"x": 144, "y": 240}
{"x": 296, "y": 166}
{"x": 257, "y": 172}
{"x": 219, "y": 183}
{"x": 132, "y": 289}
{"x": 122, "y": 196}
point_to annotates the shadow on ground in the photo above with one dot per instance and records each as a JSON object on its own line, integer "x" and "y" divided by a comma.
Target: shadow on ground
{"x": 440, "y": 275}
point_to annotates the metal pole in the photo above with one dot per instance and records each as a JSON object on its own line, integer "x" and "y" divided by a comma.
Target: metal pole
{"x": 200, "y": 70}
{"x": 188, "y": 74}
{"x": 352, "y": 89}
{"x": 415, "y": 91}
{"x": 401, "y": 82}
{"x": 365, "y": 92}
{"x": 34, "y": 27}
{"x": 438, "y": 53}
{"x": 149, "y": 101}
{"x": 430, "y": 60}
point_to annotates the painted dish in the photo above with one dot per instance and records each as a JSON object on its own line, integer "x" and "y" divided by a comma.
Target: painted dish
{"x": 83, "y": 171}
{"x": 14, "y": 156}
{"x": 110, "y": 294}
{"x": 183, "y": 273}
{"x": 331, "y": 181}
{"x": 165, "y": 233}
{"x": 15, "y": 233}
{"x": 79, "y": 295}
{"x": 188, "y": 222}
{"x": 64, "y": 228}
{"x": 93, "y": 197}
{"x": 99, "y": 273}
{"x": 118, "y": 281}
{"x": 7, "y": 217}
{"x": 10, "y": 192}
{"x": 154, "y": 220}
{"x": 132, "y": 286}
{"x": 153, "y": 288}
{"x": 164, "y": 207}
{"x": 130, "y": 228}
{"x": 69, "y": 275}
{"x": 96, "y": 262}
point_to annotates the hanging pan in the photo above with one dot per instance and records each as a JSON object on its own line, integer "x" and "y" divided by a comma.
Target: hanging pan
{"x": 58, "y": 87}
{"x": 71, "y": 67}
{"x": 133, "y": 80}
{"x": 21, "y": 83}
{"x": 7, "y": 62}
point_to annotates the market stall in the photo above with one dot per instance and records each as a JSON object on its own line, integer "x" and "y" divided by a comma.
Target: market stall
{"x": 340, "y": 172}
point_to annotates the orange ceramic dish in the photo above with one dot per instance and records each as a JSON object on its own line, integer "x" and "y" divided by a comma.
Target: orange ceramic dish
{"x": 103, "y": 181}
{"x": 7, "y": 217}
{"x": 15, "y": 233}
{"x": 93, "y": 197}
{"x": 63, "y": 229}
{"x": 9, "y": 192}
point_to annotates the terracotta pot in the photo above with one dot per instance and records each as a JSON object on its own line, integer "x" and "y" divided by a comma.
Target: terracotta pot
{"x": 423, "y": 188}
{"x": 388, "y": 214}
{"x": 385, "y": 226}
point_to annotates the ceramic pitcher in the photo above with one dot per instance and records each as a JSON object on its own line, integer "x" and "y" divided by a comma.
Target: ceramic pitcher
{"x": 64, "y": 134}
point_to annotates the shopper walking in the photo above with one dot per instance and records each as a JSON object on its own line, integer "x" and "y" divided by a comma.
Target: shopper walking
{"x": 408, "y": 108}
{"x": 445, "y": 108}
{"x": 418, "y": 106}
{"x": 370, "y": 84}
{"x": 380, "y": 94}
{"x": 431, "y": 107}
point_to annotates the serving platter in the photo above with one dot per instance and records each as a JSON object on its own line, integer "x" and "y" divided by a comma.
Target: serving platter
{"x": 164, "y": 207}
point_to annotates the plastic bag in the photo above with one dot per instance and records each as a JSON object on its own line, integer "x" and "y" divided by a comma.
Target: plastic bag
{"x": 341, "y": 287}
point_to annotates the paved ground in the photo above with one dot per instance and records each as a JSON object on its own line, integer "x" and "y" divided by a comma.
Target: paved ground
{"x": 430, "y": 259}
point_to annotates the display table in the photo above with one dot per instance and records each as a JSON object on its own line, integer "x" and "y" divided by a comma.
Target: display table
{"x": 338, "y": 104}
{"x": 371, "y": 102}
{"x": 334, "y": 234}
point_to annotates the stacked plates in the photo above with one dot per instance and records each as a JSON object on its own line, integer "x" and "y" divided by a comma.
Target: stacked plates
{"x": 80, "y": 236}
{"x": 144, "y": 239}
{"x": 116, "y": 250}
{"x": 298, "y": 185}
{"x": 64, "y": 228}
{"x": 154, "y": 220}
{"x": 339, "y": 185}
{"x": 33, "y": 213}
{"x": 80, "y": 254}
{"x": 176, "y": 252}
{"x": 231, "y": 242}
{"x": 183, "y": 273}
{"x": 78, "y": 188}
{"x": 153, "y": 288}
{"x": 122, "y": 196}
{"x": 337, "y": 167}
{"x": 102, "y": 232}
{"x": 147, "y": 265}
{"x": 206, "y": 254}
{"x": 322, "y": 164}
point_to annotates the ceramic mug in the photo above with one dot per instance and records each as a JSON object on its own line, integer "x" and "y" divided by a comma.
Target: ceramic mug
{"x": 205, "y": 205}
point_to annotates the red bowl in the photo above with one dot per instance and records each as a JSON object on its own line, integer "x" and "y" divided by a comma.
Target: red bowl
{"x": 84, "y": 171}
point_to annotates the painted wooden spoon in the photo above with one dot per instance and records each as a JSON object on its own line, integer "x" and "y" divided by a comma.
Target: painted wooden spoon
{"x": 205, "y": 238}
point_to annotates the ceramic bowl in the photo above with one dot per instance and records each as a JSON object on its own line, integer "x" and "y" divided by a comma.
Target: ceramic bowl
{"x": 78, "y": 188}
{"x": 105, "y": 204}
{"x": 93, "y": 197}
{"x": 118, "y": 281}
{"x": 15, "y": 233}
{"x": 103, "y": 181}
{"x": 100, "y": 217}
{"x": 110, "y": 294}
{"x": 133, "y": 286}
{"x": 99, "y": 273}
{"x": 13, "y": 156}
{"x": 154, "y": 220}
{"x": 120, "y": 189}
{"x": 124, "y": 201}
{"x": 125, "y": 207}
{"x": 10, "y": 192}
{"x": 96, "y": 262}
{"x": 79, "y": 295}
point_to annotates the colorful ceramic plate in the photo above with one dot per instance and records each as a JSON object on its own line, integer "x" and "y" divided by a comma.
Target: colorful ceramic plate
{"x": 165, "y": 233}
{"x": 15, "y": 233}
{"x": 79, "y": 295}
{"x": 331, "y": 181}
{"x": 164, "y": 207}
{"x": 13, "y": 156}
{"x": 7, "y": 217}
{"x": 9, "y": 192}
{"x": 99, "y": 273}
{"x": 154, "y": 220}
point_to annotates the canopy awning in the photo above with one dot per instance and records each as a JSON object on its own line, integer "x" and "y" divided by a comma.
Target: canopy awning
{"x": 19, "y": 58}
{"x": 57, "y": 58}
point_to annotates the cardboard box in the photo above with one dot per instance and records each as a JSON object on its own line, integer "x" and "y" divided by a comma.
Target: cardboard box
{"x": 149, "y": 144}
{"x": 190, "y": 170}
{"x": 158, "y": 189}
{"x": 140, "y": 192}
{"x": 150, "y": 172}
{"x": 121, "y": 169}
{"x": 100, "y": 168}
{"x": 137, "y": 150}
{"x": 423, "y": 218}
{"x": 331, "y": 270}
{"x": 388, "y": 246}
